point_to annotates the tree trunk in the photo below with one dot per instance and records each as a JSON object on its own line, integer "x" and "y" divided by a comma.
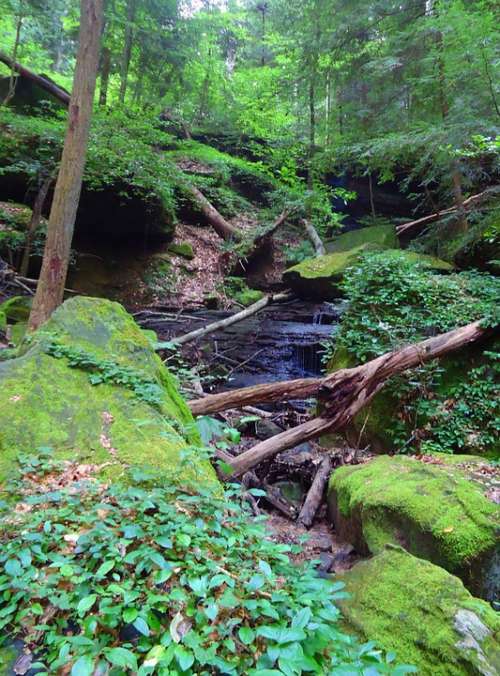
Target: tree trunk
{"x": 127, "y": 48}
{"x": 312, "y": 233}
{"x": 216, "y": 220}
{"x": 12, "y": 80}
{"x": 229, "y": 321}
{"x": 372, "y": 201}
{"x": 344, "y": 393}
{"x": 36, "y": 216}
{"x": 49, "y": 86}
{"x": 105, "y": 73}
{"x": 50, "y": 290}
{"x": 459, "y": 198}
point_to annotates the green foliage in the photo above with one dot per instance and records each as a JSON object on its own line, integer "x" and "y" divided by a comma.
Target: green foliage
{"x": 148, "y": 580}
{"x": 393, "y": 302}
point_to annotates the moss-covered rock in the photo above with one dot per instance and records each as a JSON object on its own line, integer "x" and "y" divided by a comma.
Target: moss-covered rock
{"x": 137, "y": 417}
{"x": 435, "y": 511}
{"x": 382, "y": 235}
{"x": 237, "y": 289}
{"x": 8, "y": 657}
{"x": 183, "y": 249}
{"x": 422, "y": 613}
{"x": 16, "y": 309}
{"x": 321, "y": 277}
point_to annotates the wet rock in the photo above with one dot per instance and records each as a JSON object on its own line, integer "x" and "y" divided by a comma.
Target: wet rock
{"x": 381, "y": 235}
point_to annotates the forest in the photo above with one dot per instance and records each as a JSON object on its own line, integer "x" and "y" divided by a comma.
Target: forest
{"x": 249, "y": 337}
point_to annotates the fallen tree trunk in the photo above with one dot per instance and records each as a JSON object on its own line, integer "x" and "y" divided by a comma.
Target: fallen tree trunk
{"x": 342, "y": 394}
{"x": 315, "y": 495}
{"x": 224, "y": 323}
{"x": 49, "y": 86}
{"x": 216, "y": 220}
{"x": 466, "y": 204}
{"x": 315, "y": 239}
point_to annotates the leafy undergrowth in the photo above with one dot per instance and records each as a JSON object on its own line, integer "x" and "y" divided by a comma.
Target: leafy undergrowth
{"x": 146, "y": 580}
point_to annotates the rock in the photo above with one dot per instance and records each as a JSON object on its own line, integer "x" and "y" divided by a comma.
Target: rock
{"x": 183, "y": 249}
{"x": 423, "y": 614}
{"x": 320, "y": 277}
{"x": 383, "y": 236}
{"x": 137, "y": 417}
{"x": 326, "y": 562}
{"x": 265, "y": 429}
{"x": 432, "y": 510}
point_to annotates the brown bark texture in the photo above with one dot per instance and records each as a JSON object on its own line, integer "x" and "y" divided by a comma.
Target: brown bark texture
{"x": 216, "y": 220}
{"x": 50, "y": 290}
{"x": 315, "y": 494}
{"x": 315, "y": 239}
{"x": 43, "y": 82}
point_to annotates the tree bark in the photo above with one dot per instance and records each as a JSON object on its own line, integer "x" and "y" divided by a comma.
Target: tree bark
{"x": 50, "y": 290}
{"x": 344, "y": 393}
{"x": 315, "y": 495}
{"x": 127, "y": 48}
{"x": 216, "y": 220}
{"x": 35, "y": 219}
{"x": 312, "y": 233}
{"x": 49, "y": 86}
{"x": 229, "y": 321}
{"x": 105, "y": 73}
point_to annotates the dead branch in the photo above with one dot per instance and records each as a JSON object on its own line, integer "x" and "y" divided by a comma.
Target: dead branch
{"x": 467, "y": 204}
{"x": 49, "y": 86}
{"x": 224, "y": 323}
{"x": 343, "y": 393}
{"x": 315, "y": 495}
{"x": 312, "y": 233}
{"x": 216, "y": 220}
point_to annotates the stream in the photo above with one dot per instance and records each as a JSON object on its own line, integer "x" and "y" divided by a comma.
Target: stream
{"x": 281, "y": 342}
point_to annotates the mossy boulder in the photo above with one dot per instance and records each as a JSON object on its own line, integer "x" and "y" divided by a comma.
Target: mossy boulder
{"x": 383, "y": 236}
{"x": 16, "y": 309}
{"x": 423, "y": 614}
{"x": 132, "y": 415}
{"x": 321, "y": 277}
{"x": 237, "y": 289}
{"x": 435, "y": 511}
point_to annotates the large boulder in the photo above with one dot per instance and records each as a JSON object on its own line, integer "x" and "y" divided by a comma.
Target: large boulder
{"x": 383, "y": 236}
{"x": 423, "y": 614}
{"x": 90, "y": 386}
{"x": 321, "y": 277}
{"x": 436, "y": 511}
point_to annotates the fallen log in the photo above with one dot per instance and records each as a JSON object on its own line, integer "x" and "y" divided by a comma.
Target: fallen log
{"x": 425, "y": 220}
{"x": 315, "y": 495}
{"x": 216, "y": 220}
{"x": 49, "y": 86}
{"x": 224, "y": 323}
{"x": 315, "y": 239}
{"x": 343, "y": 393}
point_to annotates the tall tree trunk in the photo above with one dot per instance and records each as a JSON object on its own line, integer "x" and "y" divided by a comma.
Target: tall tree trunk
{"x": 105, "y": 73}
{"x": 312, "y": 129}
{"x": 36, "y": 216}
{"x": 127, "y": 48}
{"x": 50, "y": 290}
{"x": 12, "y": 80}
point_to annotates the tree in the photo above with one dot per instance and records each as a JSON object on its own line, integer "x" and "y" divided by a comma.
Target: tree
{"x": 50, "y": 290}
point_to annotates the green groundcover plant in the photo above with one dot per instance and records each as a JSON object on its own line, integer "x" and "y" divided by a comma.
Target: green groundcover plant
{"x": 143, "y": 579}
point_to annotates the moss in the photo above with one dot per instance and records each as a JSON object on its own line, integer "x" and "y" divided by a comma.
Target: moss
{"x": 434, "y": 511}
{"x": 16, "y": 309}
{"x": 320, "y": 277}
{"x": 423, "y": 614}
{"x": 43, "y": 402}
{"x": 382, "y": 235}
{"x": 183, "y": 249}
{"x": 7, "y": 658}
{"x": 237, "y": 289}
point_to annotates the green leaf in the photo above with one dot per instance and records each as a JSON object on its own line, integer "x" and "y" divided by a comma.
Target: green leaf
{"x": 129, "y": 615}
{"x": 84, "y": 666}
{"x": 265, "y": 568}
{"x": 86, "y": 604}
{"x": 121, "y": 657}
{"x": 302, "y": 618}
{"x": 66, "y": 570}
{"x": 13, "y": 567}
{"x": 184, "y": 657}
{"x": 247, "y": 635}
{"x": 104, "y": 568}
{"x": 142, "y": 626}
